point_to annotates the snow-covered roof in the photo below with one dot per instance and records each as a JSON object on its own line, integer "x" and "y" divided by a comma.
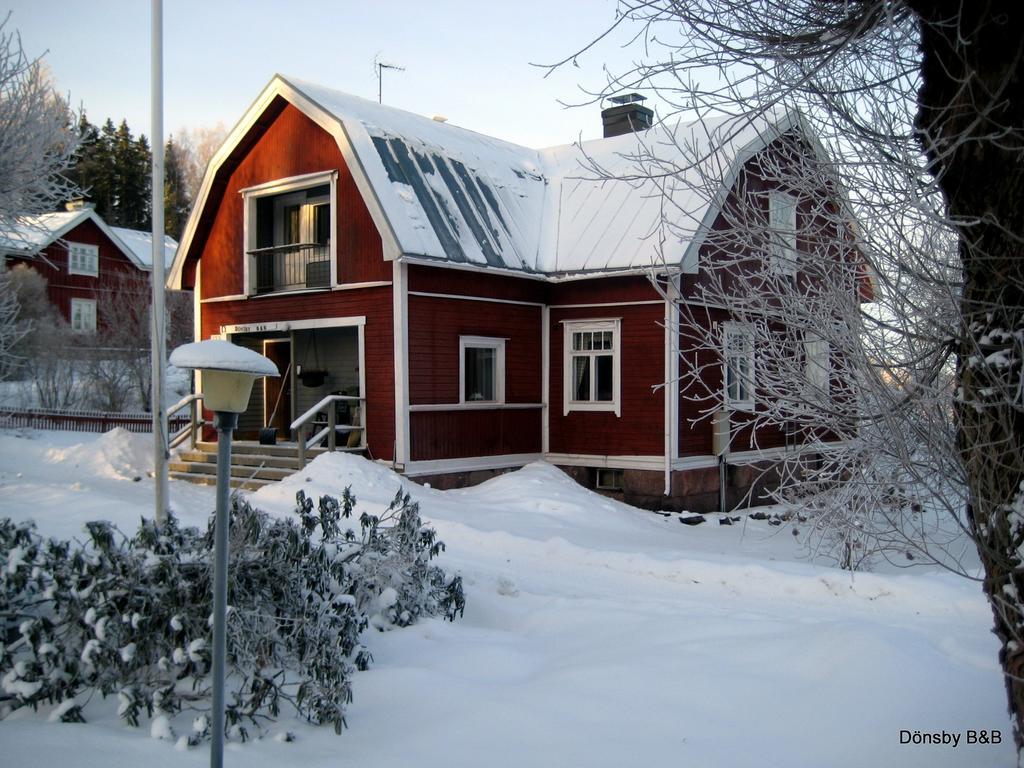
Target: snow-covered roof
{"x": 443, "y": 193}
{"x": 141, "y": 244}
{"x": 30, "y": 234}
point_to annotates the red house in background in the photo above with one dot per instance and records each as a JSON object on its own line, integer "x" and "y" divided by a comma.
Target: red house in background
{"x": 490, "y": 304}
{"x": 86, "y": 263}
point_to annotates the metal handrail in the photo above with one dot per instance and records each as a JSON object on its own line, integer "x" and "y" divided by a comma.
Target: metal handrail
{"x": 191, "y": 429}
{"x": 287, "y": 267}
{"x": 300, "y": 424}
{"x": 286, "y": 248}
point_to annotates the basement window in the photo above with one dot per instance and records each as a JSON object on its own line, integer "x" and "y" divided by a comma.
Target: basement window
{"x": 609, "y": 479}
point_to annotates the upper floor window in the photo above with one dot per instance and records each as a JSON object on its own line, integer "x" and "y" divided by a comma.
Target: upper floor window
{"x": 591, "y": 365}
{"x": 738, "y": 356}
{"x": 290, "y": 234}
{"x": 83, "y": 259}
{"x": 83, "y": 315}
{"x": 818, "y": 367}
{"x": 481, "y": 369}
{"x": 782, "y": 231}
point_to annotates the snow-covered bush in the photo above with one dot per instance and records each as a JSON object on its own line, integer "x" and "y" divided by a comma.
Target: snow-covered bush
{"x": 132, "y": 616}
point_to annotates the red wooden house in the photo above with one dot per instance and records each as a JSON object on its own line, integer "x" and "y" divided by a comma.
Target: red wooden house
{"x": 87, "y": 264}
{"x": 490, "y": 304}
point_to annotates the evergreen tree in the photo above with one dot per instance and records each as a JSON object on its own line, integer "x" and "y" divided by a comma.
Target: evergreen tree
{"x": 176, "y": 198}
{"x": 106, "y": 195}
{"x": 112, "y": 168}
{"x": 92, "y": 171}
{"x": 132, "y": 161}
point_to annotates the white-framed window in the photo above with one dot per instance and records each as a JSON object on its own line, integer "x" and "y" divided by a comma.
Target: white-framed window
{"x": 782, "y": 232}
{"x": 290, "y": 233}
{"x": 591, "y": 365}
{"x": 738, "y": 363}
{"x": 818, "y": 367}
{"x": 83, "y": 315}
{"x": 83, "y": 259}
{"x": 481, "y": 370}
{"x": 609, "y": 479}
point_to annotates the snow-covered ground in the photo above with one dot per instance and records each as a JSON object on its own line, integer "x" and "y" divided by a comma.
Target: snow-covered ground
{"x": 595, "y": 634}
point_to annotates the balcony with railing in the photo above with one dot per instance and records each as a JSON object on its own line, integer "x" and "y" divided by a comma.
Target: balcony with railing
{"x": 293, "y": 267}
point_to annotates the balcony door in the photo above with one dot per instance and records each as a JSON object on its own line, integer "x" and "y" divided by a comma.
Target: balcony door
{"x": 288, "y": 233}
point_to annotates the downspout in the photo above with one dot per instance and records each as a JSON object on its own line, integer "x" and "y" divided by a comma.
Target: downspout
{"x": 545, "y": 364}
{"x": 400, "y": 309}
{"x": 669, "y": 388}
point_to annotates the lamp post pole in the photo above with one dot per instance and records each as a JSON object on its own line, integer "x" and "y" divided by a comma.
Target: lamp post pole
{"x": 158, "y": 344}
{"x": 225, "y": 423}
{"x": 228, "y": 375}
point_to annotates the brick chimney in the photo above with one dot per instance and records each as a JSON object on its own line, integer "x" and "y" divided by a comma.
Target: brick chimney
{"x": 627, "y": 116}
{"x": 79, "y": 203}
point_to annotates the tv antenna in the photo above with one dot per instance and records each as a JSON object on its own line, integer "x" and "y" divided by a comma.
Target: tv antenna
{"x": 380, "y": 66}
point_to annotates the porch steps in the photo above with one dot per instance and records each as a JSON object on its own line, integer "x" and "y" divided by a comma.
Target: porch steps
{"x": 252, "y": 465}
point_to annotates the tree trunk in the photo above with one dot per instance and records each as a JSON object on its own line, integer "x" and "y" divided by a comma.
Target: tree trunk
{"x": 971, "y": 118}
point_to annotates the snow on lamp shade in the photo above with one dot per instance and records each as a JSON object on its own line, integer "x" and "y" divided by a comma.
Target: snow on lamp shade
{"x": 228, "y": 371}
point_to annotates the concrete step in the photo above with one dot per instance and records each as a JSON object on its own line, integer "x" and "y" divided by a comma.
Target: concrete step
{"x": 241, "y": 447}
{"x": 210, "y": 468}
{"x": 202, "y": 479}
{"x": 243, "y": 459}
{"x": 252, "y": 465}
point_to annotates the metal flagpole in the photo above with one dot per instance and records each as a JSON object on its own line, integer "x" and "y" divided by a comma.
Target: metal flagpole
{"x": 159, "y": 342}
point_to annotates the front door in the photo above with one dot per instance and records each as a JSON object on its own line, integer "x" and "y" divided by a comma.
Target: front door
{"x": 277, "y": 392}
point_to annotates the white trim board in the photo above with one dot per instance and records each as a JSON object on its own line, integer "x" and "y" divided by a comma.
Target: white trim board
{"x": 595, "y": 305}
{"x": 216, "y": 299}
{"x": 279, "y": 294}
{"x": 474, "y": 407}
{"x": 652, "y": 463}
{"x": 295, "y": 325}
{"x": 461, "y": 297}
{"x": 649, "y": 463}
{"x": 471, "y": 464}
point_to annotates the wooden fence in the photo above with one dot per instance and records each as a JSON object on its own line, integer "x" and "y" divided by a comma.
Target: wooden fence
{"x": 82, "y": 421}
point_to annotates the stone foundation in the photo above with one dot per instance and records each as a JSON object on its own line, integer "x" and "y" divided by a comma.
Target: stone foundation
{"x": 451, "y": 480}
{"x": 693, "y": 490}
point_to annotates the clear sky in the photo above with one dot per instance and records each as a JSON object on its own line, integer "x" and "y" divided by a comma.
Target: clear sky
{"x": 468, "y": 60}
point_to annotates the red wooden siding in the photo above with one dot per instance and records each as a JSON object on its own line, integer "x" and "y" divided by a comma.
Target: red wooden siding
{"x": 461, "y": 433}
{"x": 696, "y": 440}
{"x": 435, "y": 325}
{"x": 284, "y": 143}
{"x": 640, "y": 430}
{"x": 472, "y": 283}
{"x": 288, "y": 144}
{"x": 603, "y": 290}
{"x": 373, "y": 303}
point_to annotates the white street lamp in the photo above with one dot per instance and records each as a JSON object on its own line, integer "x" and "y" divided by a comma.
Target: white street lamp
{"x": 228, "y": 372}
